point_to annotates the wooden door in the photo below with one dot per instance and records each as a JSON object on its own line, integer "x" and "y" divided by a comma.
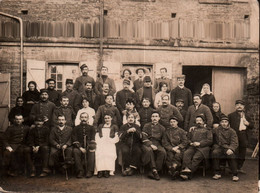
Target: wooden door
{"x": 4, "y": 100}
{"x": 228, "y": 86}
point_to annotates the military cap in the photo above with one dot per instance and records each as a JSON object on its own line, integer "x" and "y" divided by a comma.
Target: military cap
{"x": 83, "y": 66}
{"x": 201, "y": 116}
{"x": 126, "y": 81}
{"x": 43, "y": 90}
{"x": 174, "y": 118}
{"x": 50, "y": 79}
{"x": 147, "y": 79}
{"x": 69, "y": 81}
{"x": 39, "y": 118}
{"x": 242, "y": 102}
{"x": 224, "y": 117}
{"x": 180, "y": 100}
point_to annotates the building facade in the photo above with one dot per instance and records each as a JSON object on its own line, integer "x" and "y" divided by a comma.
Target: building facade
{"x": 210, "y": 41}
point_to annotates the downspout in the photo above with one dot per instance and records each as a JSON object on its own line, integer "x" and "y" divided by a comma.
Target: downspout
{"x": 21, "y": 46}
{"x": 101, "y": 32}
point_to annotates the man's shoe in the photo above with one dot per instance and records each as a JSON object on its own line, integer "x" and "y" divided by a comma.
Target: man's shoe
{"x": 150, "y": 175}
{"x": 32, "y": 174}
{"x": 106, "y": 174}
{"x": 12, "y": 174}
{"x": 131, "y": 172}
{"x": 216, "y": 176}
{"x": 100, "y": 174}
{"x": 43, "y": 174}
{"x": 175, "y": 175}
{"x": 89, "y": 174}
{"x": 80, "y": 175}
{"x": 124, "y": 173}
{"x": 156, "y": 175}
{"x": 184, "y": 177}
{"x": 235, "y": 178}
{"x": 241, "y": 171}
{"x": 46, "y": 170}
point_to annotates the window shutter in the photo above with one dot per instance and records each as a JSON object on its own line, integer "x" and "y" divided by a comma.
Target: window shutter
{"x": 4, "y": 100}
{"x": 36, "y": 72}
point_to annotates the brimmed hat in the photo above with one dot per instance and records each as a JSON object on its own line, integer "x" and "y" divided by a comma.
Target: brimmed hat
{"x": 179, "y": 100}
{"x": 174, "y": 118}
{"x": 136, "y": 71}
{"x": 43, "y": 90}
{"x": 50, "y": 79}
{"x": 242, "y": 102}
{"x": 69, "y": 81}
{"x": 224, "y": 117}
{"x": 181, "y": 76}
{"x": 201, "y": 116}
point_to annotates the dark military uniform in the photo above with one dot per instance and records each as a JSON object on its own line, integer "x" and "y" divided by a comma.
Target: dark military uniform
{"x": 152, "y": 135}
{"x": 68, "y": 112}
{"x": 78, "y": 134}
{"x": 224, "y": 139}
{"x": 81, "y": 81}
{"x": 145, "y": 115}
{"x": 54, "y": 96}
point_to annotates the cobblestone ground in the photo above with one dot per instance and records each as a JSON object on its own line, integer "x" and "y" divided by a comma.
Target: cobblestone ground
{"x": 139, "y": 183}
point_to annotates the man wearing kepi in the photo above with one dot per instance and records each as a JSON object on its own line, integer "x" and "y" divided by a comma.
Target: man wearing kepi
{"x": 153, "y": 151}
{"x": 175, "y": 142}
{"x": 83, "y": 140}
{"x": 224, "y": 147}
{"x": 240, "y": 122}
{"x": 200, "y": 139}
{"x": 82, "y": 80}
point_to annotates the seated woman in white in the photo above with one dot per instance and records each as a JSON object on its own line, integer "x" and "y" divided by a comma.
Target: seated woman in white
{"x": 85, "y": 109}
{"x": 163, "y": 86}
{"x": 106, "y": 139}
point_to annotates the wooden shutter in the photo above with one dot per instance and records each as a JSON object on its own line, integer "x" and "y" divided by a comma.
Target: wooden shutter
{"x": 36, "y": 72}
{"x": 4, "y": 100}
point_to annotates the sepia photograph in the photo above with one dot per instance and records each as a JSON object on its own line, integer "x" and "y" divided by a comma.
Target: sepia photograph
{"x": 129, "y": 96}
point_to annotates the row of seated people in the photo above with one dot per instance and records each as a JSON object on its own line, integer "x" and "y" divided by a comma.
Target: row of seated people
{"x": 97, "y": 149}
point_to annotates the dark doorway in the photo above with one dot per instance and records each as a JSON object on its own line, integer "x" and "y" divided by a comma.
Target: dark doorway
{"x": 196, "y": 76}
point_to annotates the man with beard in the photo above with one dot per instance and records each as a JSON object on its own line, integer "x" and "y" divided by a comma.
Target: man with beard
{"x": 180, "y": 104}
{"x": 81, "y": 81}
{"x": 197, "y": 109}
{"x": 200, "y": 139}
{"x": 163, "y": 79}
{"x": 44, "y": 108}
{"x": 89, "y": 94}
{"x": 60, "y": 140}
{"x": 122, "y": 96}
{"x": 83, "y": 140}
{"x": 108, "y": 108}
{"x": 145, "y": 112}
{"x": 181, "y": 92}
{"x": 15, "y": 146}
{"x": 73, "y": 95}
{"x": 153, "y": 151}
{"x": 224, "y": 147}
{"x": 100, "y": 98}
{"x": 167, "y": 110}
{"x": 175, "y": 142}
{"x": 104, "y": 79}
{"x": 54, "y": 96}
{"x": 240, "y": 122}
{"x": 130, "y": 136}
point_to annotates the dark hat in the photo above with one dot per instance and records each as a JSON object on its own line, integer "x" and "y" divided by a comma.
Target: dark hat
{"x": 127, "y": 70}
{"x": 179, "y": 100}
{"x": 39, "y": 118}
{"x": 69, "y": 81}
{"x": 50, "y": 79}
{"x": 83, "y": 66}
{"x": 181, "y": 76}
{"x": 147, "y": 79}
{"x": 242, "y": 102}
{"x": 126, "y": 81}
{"x": 136, "y": 71}
{"x": 173, "y": 117}
{"x": 224, "y": 117}
{"x": 43, "y": 90}
{"x": 201, "y": 116}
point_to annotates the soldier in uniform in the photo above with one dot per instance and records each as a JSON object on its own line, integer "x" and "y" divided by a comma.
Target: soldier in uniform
{"x": 54, "y": 96}
{"x": 83, "y": 140}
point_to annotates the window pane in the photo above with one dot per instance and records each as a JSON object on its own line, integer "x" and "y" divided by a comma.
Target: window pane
{"x": 53, "y": 76}
{"x": 59, "y": 77}
{"x": 53, "y": 69}
{"x": 59, "y": 85}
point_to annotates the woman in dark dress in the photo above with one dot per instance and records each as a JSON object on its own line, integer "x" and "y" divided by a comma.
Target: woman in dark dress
{"x": 217, "y": 114}
{"x": 19, "y": 109}
{"x": 207, "y": 97}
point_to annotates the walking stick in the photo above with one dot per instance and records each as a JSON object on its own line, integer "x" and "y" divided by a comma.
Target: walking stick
{"x": 85, "y": 154}
{"x": 66, "y": 171}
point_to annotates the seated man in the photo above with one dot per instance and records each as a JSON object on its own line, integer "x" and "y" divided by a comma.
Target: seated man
{"x": 83, "y": 139}
{"x": 225, "y": 145}
{"x": 14, "y": 143}
{"x": 130, "y": 137}
{"x": 175, "y": 142}
{"x": 200, "y": 139}
{"x": 145, "y": 112}
{"x": 38, "y": 141}
{"x": 60, "y": 141}
{"x": 153, "y": 151}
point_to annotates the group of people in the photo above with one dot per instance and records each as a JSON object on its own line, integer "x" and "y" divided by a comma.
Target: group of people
{"x": 142, "y": 125}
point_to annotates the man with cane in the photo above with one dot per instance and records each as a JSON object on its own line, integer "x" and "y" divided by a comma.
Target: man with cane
{"x": 83, "y": 140}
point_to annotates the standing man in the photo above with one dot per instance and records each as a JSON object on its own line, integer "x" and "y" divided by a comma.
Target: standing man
{"x": 197, "y": 109}
{"x": 44, "y": 108}
{"x": 73, "y": 95}
{"x": 83, "y": 139}
{"x": 81, "y": 81}
{"x": 122, "y": 96}
{"x": 100, "y": 98}
{"x": 145, "y": 112}
{"x": 167, "y": 110}
{"x": 153, "y": 151}
{"x": 180, "y": 104}
{"x": 139, "y": 83}
{"x": 54, "y": 96}
{"x": 104, "y": 79}
{"x": 181, "y": 92}
{"x": 89, "y": 94}
{"x": 163, "y": 79}
{"x": 240, "y": 122}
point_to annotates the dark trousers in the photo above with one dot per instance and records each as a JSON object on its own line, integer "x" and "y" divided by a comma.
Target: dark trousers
{"x": 155, "y": 158}
{"x": 55, "y": 155}
{"x": 241, "y": 156}
{"x": 192, "y": 158}
{"x": 174, "y": 158}
{"x": 131, "y": 156}
{"x": 220, "y": 153}
{"x": 79, "y": 160}
{"x": 43, "y": 155}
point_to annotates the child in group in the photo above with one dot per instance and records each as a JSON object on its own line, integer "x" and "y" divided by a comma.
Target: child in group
{"x": 106, "y": 138}
{"x": 130, "y": 109}
{"x": 90, "y": 111}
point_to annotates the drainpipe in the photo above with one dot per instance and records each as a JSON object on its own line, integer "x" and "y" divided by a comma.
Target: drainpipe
{"x": 101, "y": 32}
{"x": 21, "y": 45}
